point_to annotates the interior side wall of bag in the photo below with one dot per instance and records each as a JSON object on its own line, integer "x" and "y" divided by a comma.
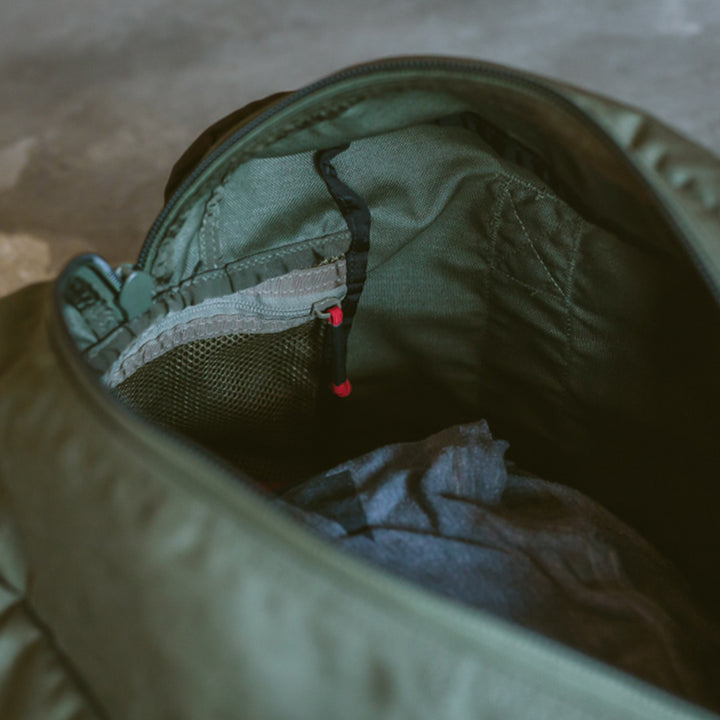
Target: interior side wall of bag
{"x": 488, "y": 295}
{"x": 582, "y": 334}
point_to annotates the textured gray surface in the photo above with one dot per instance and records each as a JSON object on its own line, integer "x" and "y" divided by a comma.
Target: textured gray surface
{"x": 99, "y": 97}
{"x": 447, "y": 513}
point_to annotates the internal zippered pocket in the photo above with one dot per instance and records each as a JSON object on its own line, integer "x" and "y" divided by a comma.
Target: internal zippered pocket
{"x": 240, "y": 374}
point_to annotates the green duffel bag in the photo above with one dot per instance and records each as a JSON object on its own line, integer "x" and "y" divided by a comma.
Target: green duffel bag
{"x": 403, "y": 247}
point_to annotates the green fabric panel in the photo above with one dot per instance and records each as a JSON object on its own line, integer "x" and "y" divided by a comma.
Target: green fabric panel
{"x": 642, "y": 402}
{"x": 357, "y": 107}
{"x": 391, "y": 101}
{"x": 363, "y": 108}
{"x": 20, "y": 312}
{"x": 270, "y": 202}
{"x": 471, "y": 270}
{"x": 591, "y": 353}
{"x": 489, "y": 297}
{"x": 685, "y": 175}
{"x": 260, "y": 206}
{"x": 177, "y": 593}
{"x": 35, "y": 683}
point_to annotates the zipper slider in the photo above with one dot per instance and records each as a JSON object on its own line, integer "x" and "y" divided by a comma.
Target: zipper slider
{"x": 136, "y": 292}
{"x": 340, "y": 385}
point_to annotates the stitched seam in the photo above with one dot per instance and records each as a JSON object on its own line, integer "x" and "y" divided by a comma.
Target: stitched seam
{"x": 532, "y": 245}
{"x": 527, "y": 286}
{"x": 493, "y": 233}
{"x": 569, "y": 307}
{"x": 202, "y": 234}
{"x": 534, "y": 189}
{"x": 214, "y": 225}
{"x": 209, "y": 245}
{"x": 322, "y": 272}
{"x": 258, "y": 146}
{"x": 330, "y": 112}
{"x": 253, "y": 261}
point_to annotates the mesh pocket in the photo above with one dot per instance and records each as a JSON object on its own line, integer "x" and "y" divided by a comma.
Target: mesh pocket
{"x": 251, "y": 398}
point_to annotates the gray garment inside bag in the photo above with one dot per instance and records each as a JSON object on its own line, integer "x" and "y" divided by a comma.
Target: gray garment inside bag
{"x": 449, "y": 513}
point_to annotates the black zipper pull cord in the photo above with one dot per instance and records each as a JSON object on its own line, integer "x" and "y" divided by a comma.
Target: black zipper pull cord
{"x": 356, "y": 214}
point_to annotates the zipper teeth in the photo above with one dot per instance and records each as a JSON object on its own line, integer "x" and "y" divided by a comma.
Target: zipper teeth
{"x": 258, "y": 309}
{"x": 253, "y": 311}
{"x": 103, "y": 268}
{"x": 463, "y": 66}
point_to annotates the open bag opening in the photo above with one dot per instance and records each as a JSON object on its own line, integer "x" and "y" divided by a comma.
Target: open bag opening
{"x": 484, "y": 271}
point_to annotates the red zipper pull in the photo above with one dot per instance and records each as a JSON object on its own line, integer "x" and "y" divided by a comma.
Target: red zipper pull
{"x": 340, "y": 385}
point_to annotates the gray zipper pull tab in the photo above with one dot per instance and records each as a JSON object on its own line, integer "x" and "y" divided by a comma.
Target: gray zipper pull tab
{"x": 136, "y": 291}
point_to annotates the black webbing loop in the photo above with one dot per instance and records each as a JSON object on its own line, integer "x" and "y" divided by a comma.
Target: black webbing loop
{"x": 357, "y": 217}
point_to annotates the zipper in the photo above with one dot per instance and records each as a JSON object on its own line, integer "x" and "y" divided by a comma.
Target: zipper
{"x": 429, "y": 63}
{"x": 244, "y": 310}
{"x": 102, "y": 269}
{"x": 83, "y": 378}
{"x": 103, "y": 401}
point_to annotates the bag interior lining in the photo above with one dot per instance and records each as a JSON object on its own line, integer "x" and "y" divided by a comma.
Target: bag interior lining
{"x": 487, "y": 295}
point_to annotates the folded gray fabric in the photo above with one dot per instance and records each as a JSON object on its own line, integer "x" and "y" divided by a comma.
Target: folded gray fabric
{"x": 448, "y": 513}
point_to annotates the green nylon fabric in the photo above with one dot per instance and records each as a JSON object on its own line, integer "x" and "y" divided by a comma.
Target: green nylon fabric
{"x": 511, "y": 305}
{"x": 36, "y": 682}
{"x": 154, "y": 584}
{"x": 174, "y": 592}
{"x": 496, "y": 297}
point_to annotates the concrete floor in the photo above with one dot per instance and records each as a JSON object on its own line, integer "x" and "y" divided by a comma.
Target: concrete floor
{"x": 99, "y": 97}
